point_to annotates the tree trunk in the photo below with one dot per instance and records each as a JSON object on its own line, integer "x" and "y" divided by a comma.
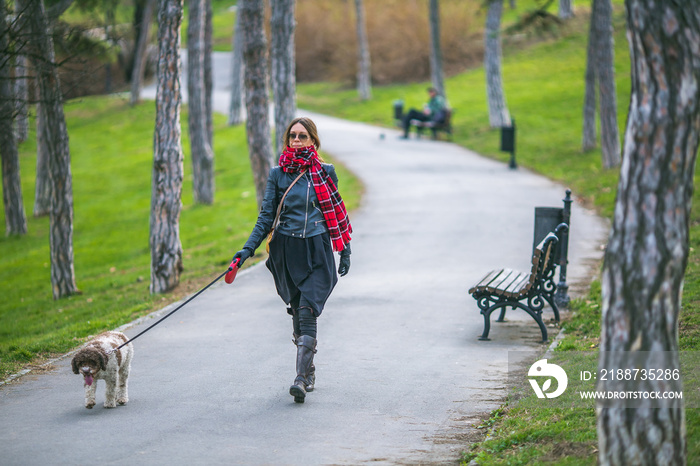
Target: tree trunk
{"x": 202, "y": 155}
{"x": 566, "y": 9}
{"x": 283, "y": 70}
{"x": 257, "y": 106}
{"x": 21, "y": 96}
{"x": 648, "y": 249}
{"x": 589, "y": 123}
{"x": 140, "y": 52}
{"x": 42, "y": 190}
{"x": 235, "y": 113}
{"x": 137, "y": 28}
{"x": 364, "y": 67}
{"x": 166, "y": 249}
{"x": 209, "y": 76}
{"x": 61, "y": 213}
{"x": 15, "y": 217}
{"x": 435, "y": 50}
{"x": 605, "y": 66}
{"x": 498, "y": 111}
{"x": 109, "y": 25}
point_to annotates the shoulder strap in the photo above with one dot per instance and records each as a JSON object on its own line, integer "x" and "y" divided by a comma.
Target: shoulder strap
{"x": 279, "y": 207}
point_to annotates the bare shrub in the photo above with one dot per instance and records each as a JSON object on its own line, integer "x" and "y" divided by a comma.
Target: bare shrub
{"x": 398, "y": 31}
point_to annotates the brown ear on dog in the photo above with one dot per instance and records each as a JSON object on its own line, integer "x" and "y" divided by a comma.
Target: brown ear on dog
{"x": 74, "y": 364}
{"x": 103, "y": 361}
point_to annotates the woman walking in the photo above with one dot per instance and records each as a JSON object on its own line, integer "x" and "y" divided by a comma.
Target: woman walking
{"x": 304, "y": 206}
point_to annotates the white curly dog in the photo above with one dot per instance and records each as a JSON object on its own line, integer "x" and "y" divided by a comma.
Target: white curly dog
{"x": 99, "y": 360}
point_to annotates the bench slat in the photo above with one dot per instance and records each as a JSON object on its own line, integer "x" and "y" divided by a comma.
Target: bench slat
{"x": 495, "y": 285}
{"x": 525, "y": 286}
{"x": 507, "y": 284}
{"x": 515, "y": 287}
{"x": 488, "y": 278}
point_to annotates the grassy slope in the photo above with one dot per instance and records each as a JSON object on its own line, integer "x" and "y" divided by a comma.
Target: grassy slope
{"x": 544, "y": 91}
{"x": 111, "y": 151}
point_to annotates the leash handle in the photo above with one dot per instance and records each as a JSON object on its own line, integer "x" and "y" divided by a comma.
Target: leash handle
{"x": 232, "y": 271}
{"x": 172, "y": 312}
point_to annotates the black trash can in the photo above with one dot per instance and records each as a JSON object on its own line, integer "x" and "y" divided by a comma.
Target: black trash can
{"x": 508, "y": 142}
{"x": 508, "y": 138}
{"x": 398, "y": 110}
{"x": 546, "y": 220}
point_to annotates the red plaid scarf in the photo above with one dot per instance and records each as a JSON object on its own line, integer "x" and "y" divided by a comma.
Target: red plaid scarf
{"x": 330, "y": 202}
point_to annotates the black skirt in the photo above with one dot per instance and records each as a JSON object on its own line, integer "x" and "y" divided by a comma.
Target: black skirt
{"x": 303, "y": 269}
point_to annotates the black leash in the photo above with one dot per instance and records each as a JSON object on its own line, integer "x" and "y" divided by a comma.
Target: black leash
{"x": 171, "y": 312}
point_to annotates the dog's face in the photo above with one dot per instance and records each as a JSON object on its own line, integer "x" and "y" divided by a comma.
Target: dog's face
{"x": 89, "y": 362}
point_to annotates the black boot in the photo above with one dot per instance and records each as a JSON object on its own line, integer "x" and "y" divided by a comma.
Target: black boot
{"x": 311, "y": 379}
{"x": 305, "y": 356}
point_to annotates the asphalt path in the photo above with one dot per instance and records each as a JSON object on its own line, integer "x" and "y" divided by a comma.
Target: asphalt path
{"x": 401, "y": 375}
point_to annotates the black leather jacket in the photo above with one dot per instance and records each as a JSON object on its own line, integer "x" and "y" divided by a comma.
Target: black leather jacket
{"x": 301, "y": 216}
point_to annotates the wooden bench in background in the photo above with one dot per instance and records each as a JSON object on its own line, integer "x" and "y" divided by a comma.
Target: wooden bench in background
{"x": 501, "y": 288}
{"x": 444, "y": 126}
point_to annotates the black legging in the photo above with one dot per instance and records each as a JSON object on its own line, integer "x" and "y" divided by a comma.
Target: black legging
{"x": 413, "y": 115}
{"x": 304, "y": 322}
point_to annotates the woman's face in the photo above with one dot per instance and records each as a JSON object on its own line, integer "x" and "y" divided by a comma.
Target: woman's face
{"x": 299, "y": 137}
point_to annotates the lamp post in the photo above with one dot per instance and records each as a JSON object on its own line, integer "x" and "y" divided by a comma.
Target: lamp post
{"x": 561, "y": 296}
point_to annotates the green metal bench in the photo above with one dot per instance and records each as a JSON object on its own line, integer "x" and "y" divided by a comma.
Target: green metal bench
{"x": 528, "y": 291}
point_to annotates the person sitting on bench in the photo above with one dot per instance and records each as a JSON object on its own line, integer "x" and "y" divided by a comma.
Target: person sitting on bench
{"x": 434, "y": 110}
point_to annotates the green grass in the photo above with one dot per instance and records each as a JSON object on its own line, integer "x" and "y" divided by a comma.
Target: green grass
{"x": 544, "y": 91}
{"x": 111, "y": 147}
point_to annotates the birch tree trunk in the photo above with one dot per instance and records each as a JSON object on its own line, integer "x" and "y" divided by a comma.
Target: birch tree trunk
{"x": 235, "y": 112}
{"x": 257, "y": 105}
{"x": 33, "y": 19}
{"x": 605, "y": 66}
{"x": 283, "y": 68}
{"x": 498, "y": 111}
{"x": 648, "y": 249}
{"x": 589, "y": 101}
{"x": 138, "y": 70}
{"x": 202, "y": 155}
{"x": 566, "y": 9}
{"x": 166, "y": 249}
{"x": 364, "y": 67}
{"x": 15, "y": 217}
{"x": 42, "y": 189}
{"x": 435, "y": 49}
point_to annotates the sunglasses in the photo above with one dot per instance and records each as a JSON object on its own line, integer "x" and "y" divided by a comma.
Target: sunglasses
{"x": 302, "y": 136}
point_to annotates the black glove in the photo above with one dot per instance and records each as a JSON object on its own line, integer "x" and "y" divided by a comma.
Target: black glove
{"x": 344, "y": 266}
{"x": 243, "y": 254}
